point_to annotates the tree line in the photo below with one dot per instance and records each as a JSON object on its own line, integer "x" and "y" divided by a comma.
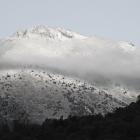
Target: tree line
{"x": 122, "y": 124}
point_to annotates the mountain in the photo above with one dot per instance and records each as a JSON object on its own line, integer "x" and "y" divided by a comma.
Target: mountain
{"x": 56, "y": 42}
{"x": 50, "y": 72}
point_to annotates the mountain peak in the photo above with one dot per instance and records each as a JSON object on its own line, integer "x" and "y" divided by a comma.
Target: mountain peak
{"x": 49, "y": 33}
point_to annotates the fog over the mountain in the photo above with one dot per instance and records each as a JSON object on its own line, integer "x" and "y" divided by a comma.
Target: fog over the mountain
{"x": 102, "y": 63}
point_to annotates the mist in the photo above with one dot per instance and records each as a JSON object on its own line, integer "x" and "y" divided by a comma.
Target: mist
{"x": 104, "y": 63}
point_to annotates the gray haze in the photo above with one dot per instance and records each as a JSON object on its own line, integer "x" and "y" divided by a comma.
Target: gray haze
{"x": 114, "y": 19}
{"x": 104, "y": 64}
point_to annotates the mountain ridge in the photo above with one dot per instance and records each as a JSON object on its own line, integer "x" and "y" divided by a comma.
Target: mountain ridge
{"x": 49, "y": 33}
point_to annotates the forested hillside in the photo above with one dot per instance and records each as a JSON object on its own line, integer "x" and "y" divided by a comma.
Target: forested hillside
{"x": 123, "y": 124}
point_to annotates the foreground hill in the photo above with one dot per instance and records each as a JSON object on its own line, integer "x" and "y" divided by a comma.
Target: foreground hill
{"x": 124, "y": 123}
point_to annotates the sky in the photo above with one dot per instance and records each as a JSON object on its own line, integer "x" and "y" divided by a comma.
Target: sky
{"x": 111, "y": 19}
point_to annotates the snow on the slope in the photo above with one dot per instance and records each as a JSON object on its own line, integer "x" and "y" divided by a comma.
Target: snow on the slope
{"x": 4, "y": 39}
{"x": 35, "y": 95}
{"x": 123, "y": 45}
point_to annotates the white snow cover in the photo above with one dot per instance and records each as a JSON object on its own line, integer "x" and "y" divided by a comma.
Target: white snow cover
{"x": 49, "y": 33}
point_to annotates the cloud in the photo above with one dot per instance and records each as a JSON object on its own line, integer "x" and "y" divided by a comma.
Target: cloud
{"x": 104, "y": 62}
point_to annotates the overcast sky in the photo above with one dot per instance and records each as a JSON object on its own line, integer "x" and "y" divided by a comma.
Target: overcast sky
{"x": 113, "y": 19}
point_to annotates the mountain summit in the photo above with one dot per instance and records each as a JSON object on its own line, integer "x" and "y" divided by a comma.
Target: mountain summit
{"x": 49, "y": 33}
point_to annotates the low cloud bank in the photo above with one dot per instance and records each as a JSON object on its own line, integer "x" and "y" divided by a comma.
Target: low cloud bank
{"x": 105, "y": 63}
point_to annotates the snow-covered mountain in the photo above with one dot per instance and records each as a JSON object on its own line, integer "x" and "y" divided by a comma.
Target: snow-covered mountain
{"x": 50, "y": 72}
{"x": 52, "y": 42}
